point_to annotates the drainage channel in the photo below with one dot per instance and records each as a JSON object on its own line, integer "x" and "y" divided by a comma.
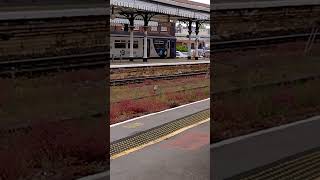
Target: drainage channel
{"x": 145, "y": 137}
{"x": 303, "y": 166}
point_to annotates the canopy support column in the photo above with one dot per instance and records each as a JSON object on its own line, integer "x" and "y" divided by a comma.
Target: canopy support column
{"x": 131, "y": 43}
{"x": 131, "y": 27}
{"x": 130, "y": 16}
{"x": 197, "y": 41}
{"x": 146, "y": 18}
{"x": 189, "y": 42}
{"x": 145, "y": 44}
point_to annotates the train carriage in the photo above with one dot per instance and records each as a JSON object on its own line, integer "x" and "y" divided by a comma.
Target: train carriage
{"x": 159, "y": 46}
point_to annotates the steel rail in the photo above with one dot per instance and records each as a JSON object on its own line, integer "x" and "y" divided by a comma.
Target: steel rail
{"x": 117, "y": 82}
{"x": 46, "y": 64}
{"x": 256, "y": 42}
{"x": 155, "y": 95}
{"x": 266, "y": 85}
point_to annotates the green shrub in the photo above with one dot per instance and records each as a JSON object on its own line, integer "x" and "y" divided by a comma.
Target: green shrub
{"x": 182, "y": 48}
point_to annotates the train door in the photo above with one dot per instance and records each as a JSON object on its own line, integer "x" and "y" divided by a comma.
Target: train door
{"x": 172, "y": 48}
{"x": 148, "y": 47}
{"x": 168, "y": 48}
{"x": 148, "y": 51}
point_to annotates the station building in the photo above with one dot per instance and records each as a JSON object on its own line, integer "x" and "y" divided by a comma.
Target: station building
{"x": 162, "y": 36}
{"x": 182, "y": 36}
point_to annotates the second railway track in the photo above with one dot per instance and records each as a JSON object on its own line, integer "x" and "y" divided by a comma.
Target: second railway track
{"x": 223, "y": 46}
{"x": 118, "y": 82}
{"x": 16, "y": 67}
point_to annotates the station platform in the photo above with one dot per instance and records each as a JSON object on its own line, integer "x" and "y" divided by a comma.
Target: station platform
{"x": 155, "y": 62}
{"x": 162, "y": 145}
{"x": 143, "y": 123}
{"x": 182, "y": 157}
{"x": 181, "y": 152}
{"x": 290, "y": 151}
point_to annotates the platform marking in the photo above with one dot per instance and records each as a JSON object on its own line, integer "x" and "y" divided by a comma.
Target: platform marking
{"x": 133, "y": 125}
{"x": 158, "y": 140}
{"x": 190, "y": 141}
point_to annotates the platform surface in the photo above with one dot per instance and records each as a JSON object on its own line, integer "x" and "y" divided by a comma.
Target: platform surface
{"x": 155, "y": 62}
{"x": 182, "y": 157}
{"x": 129, "y": 128}
{"x": 244, "y": 155}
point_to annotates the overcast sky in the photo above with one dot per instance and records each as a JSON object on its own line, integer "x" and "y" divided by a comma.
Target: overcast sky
{"x": 202, "y": 1}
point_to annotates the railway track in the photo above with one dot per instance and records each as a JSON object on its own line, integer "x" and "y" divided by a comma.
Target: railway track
{"x": 23, "y": 129}
{"x": 27, "y": 128}
{"x": 17, "y": 67}
{"x": 155, "y": 95}
{"x": 117, "y": 82}
{"x": 257, "y": 42}
{"x": 266, "y": 85}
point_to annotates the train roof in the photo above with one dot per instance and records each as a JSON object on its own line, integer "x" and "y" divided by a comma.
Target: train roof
{"x": 141, "y": 34}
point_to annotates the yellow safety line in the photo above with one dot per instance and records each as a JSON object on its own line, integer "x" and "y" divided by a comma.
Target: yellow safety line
{"x": 158, "y": 140}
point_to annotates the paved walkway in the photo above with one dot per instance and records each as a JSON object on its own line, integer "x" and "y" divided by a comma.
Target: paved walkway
{"x": 182, "y": 157}
{"x": 230, "y": 158}
{"x": 151, "y": 61}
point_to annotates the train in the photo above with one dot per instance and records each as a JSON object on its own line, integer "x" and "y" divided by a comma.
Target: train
{"x": 159, "y": 46}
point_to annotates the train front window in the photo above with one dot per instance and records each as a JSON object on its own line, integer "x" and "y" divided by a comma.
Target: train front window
{"x": 159, "y": 44}
{"x": 160, "y": 47}
{"x": 120, "y": 44}
{"x": 135, "y": 44}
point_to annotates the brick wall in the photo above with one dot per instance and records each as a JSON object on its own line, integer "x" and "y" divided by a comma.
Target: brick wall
{"x": 170, "y": 29}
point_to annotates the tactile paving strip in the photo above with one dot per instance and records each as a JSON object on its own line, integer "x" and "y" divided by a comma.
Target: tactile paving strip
{"x": 303, "y": 166}
{"x": 153, "y": 134}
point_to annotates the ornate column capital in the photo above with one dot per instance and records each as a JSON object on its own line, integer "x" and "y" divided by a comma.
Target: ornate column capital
{"x": 131, "y": 27}
{"x": 145, "y": 28}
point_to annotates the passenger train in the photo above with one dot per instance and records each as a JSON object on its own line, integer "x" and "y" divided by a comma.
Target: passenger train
{"x": 159, "y": 46}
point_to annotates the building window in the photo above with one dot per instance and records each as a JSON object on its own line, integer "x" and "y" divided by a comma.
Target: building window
{"x": 154, "y": 28}
{"x": 119, "y": 44}
{"x": 164, "y": 29}
{"x": 135, "y": 44}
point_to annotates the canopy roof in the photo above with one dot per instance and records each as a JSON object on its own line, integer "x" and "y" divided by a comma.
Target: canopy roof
{"x": 163, "y": 9}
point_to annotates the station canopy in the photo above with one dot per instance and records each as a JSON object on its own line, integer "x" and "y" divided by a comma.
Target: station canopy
{"x": 137, "y": 23}
{"x": 164, "y": 10}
